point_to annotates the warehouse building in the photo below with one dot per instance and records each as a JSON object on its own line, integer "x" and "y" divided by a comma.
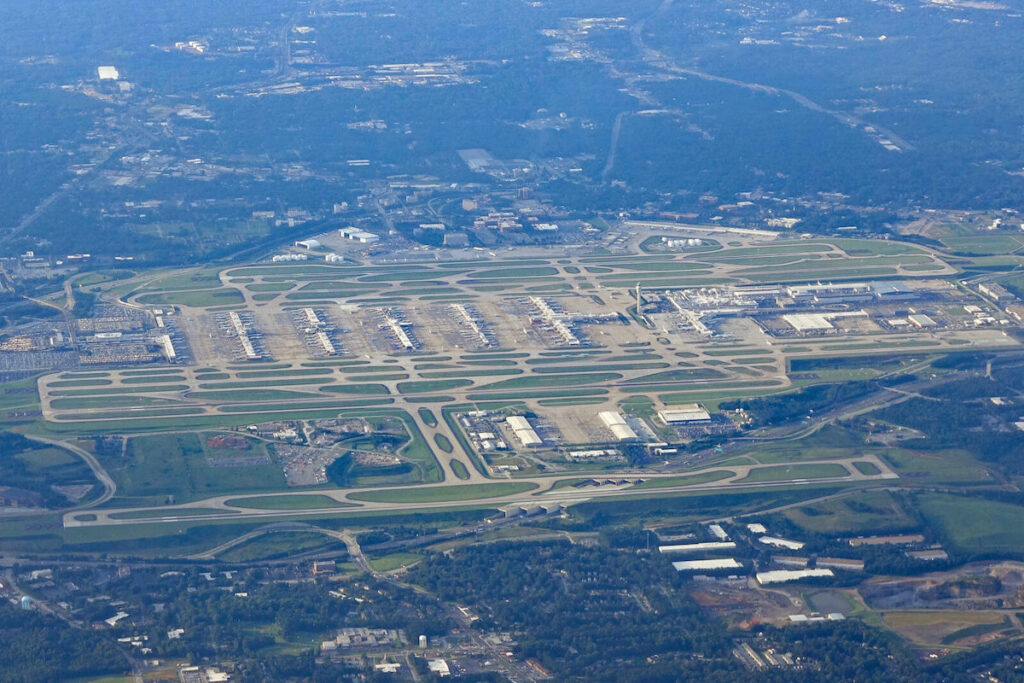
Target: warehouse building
{"x": 996, "y": 291}
{"x": 685, "y": 414}
{"x": 706, "y": 565}
{"x": 697, "y": 547}
{"x": 523, "y": 431}
{"x": 358, "y": 235}
{"x": 786, "y": 575}
{"x": 781, "y": 542}
{"x": 840, "y": 563}
{"x": 818, "y": 322}
{"x": 893, "y": 291}
{"x": 808, "y": 322}
{"x": 921, "y": 321}
{"x": 617, "y": 424}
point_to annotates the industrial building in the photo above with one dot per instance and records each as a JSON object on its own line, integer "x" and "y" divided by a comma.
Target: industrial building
{"x": 921, "y": 321}
{"x": 818, "y": 322}
{"x": 781, "y": 542}
{"x": 706, "y": 565}
{"x": 523, "y": 431}
{"x": 617, "y": 424}
{"x": 786, "y": 575}
{"x": 840, "y": 563}
{"x": 893, "y": 291}
{"x": 685, "y": 414}
{"x": 697, "y": 547}
{"x": 358, "y": 235}
{"x": 812, "y": 618}
{"x": 996, "y": 291}
{"x": 285, "y": 258}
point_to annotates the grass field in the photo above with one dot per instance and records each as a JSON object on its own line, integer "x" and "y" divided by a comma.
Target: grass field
{"x": 867, "y": 511}
{"x": 795, "y": 472}
{"x": 687, "y": 480}
{"x": 975, "y": 525}
{"x": 287, "y": 502}
{"x": 394, "y": 561}
{"x": 431, "y": 385}
{"x": 544, "y": 381}
{"x": 290, "y": 372}
{"x": 157, "y": 512}
{"x": 177, "y": 466}
{"x": 116, "y": 401}
{"x": 369, "y": 389}
{"x": 867, "y": 468}
{"x": 935, "y": 627}
{"x": 458, "y": 469}
{"x": 937, "y": 467}
{"x": 227, "y": 396}
{"x": 428, "y": 417}
{"x": 443, "y": 493}
{"x": 203, "y": 298}
{"x": 279, "y": 544}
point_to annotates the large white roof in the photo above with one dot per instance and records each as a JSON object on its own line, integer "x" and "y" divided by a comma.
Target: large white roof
{"x": 784, "y": 575}
{"x": 698, "y": 565}
{"x": 696, "y": 547}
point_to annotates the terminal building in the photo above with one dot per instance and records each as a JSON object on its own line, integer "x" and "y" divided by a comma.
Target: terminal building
{"x": 846, "y": 292}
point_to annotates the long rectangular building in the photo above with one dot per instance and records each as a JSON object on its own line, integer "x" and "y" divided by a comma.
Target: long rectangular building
{"x": 617, "y": 424}
{"x": 786, "y": 575}
{"x": 691, "y": 412}
{"x": 523, "y": 431}
{"x": 706, "y": 565}
{"x": 697, "y": 547}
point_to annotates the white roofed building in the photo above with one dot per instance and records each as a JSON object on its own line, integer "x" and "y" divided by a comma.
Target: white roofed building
{"x": 786, "y": 575}
{"x": 617, "y": 424}
{"x": 706, "y": 565}
{"x": 523, "y": 431}
{"x": 781, "y": 542}
{"x": 692, "y": 412}
{"x": 697, "y": 547}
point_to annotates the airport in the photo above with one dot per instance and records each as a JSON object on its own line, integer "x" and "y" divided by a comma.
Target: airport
{"x": 506, "y": 368}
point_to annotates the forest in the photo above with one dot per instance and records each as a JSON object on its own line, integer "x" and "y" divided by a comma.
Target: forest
{"x": 39, "y": 648}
